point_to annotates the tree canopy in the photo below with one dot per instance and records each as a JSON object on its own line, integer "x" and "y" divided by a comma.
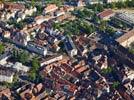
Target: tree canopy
{"x": 33, "y": 74}
{"x": 115, "y": 84}
{"x": 107, "y": 71}
{"x": 57, "y": 2}
{"x": 22, "y": 56}
{"x": 1, "y": 48}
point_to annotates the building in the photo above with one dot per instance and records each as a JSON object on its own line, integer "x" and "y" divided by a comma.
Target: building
{"x": 126, "y": 39}
{"x": 101, "y": 61}
{"x": 68, "y": 8}
{"x": 6, "y": 34}
{"x": 32, "y": 92}
{"x": 6, "y": 75}
{"x": 81, "y": 69}
{"x": 64, "y": 17}
{"x": 70, "y": 47}
{"x": 80, "y": 3}
{"x": 50, "y": 8}
{"x": 5, "y": 94}
{"x": 1, "y": 5}
{"x": 50, "y": 60}
{"x": 19, "y": 67}
{"x": 129, "y": 74}
{"x": 126, "y": 17}
{"x": 30, "y": 11}
{"x": 81, "y": 49}
{"x": 41, "y": 19}
{"x": 21, "y": 38}
{"x": 59, "y": 12}
{"x": 4, "y": 57}
{"x": 94, "y": 1}
{"x": 110, "y": 1}
{"x": 37, "y": 48}
{"x": 14, "y": 6}
{"x": 106, "y": 14}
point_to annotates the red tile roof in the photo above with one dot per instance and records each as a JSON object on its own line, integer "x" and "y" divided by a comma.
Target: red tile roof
{"x": 105, "y": 13}
{"x": 14, "y": 6}
{"x": 81, "y": 69}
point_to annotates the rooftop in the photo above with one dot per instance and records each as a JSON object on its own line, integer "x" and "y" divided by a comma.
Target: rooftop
{"x": 6, "y": 71}
{"x": 128, "y": 17}
{"x": 14, "y": 6}
{"x": 105, "y": 13}
{"x": 126, "y": 36}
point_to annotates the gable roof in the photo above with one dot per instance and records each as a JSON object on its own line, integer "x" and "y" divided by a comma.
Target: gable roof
{"x": 50, "y": 7}
{"x": 126, "y": 36}
{"x": 105, "y": 13}
{"x": 14, "y": 6}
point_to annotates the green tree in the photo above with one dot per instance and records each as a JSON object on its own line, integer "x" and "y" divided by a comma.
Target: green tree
{"x": 131, "y": 48}
{"x": 95, "y": 19}
{"x": 35, "y": 64}
{"x": 124, "y": 26}
{"x": 100, "y": 7}
{"x": 95, "y": 9}
{"x": 33, "y": 74}
{"x": 33, "y": 3}
{"x": 19, "y": 25}
{"x": 107, "y": 71}
{"x": 57, "y": 2}
{"x": 23, "y": 57}
{"x": 87, "y": 13}
{"x": 80, "y": 14}
{"x": 130, "y": 3}
{"x": 15, "y": 54}
{"x": 102, "y": 26}
{"x": 87, "y": 28}
{"x": 39, "y": 9}
{"x": 71, "y": 27}
{"x": 112, "y": 5}
{"x": 110, "y": 31}
{"x": 56, "y": 25}
{"x": 132, "y": 45}
{"x": 120, "y": 5}
{"x": 115, "y": 84}
{"x": 1, "y": 48}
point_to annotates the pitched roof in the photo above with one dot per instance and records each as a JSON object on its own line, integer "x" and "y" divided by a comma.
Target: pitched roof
{"x": 14, "y": 6}
{"x": 6, "y": 92}
{"x": 126, "y": 36}
{"x": 105, "y": 13}
{"x": 50, "y": 7}
{"x": 81, "y": 69}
